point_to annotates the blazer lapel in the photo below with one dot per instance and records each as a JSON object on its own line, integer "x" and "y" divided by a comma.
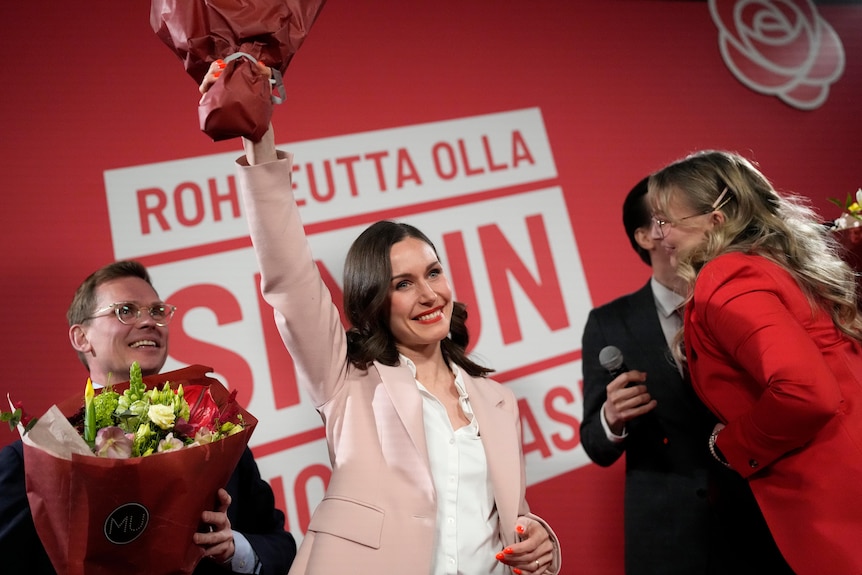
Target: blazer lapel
{"x": 407, "y": 403}
{"x": 642, "y": 318}
{"x": 500, "y": 440}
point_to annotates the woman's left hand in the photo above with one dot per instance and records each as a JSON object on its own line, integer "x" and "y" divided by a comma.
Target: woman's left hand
{"x": 534, "y": 551}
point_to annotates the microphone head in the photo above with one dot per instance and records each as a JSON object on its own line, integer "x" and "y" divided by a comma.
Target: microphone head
{"x": 611, "y": 358}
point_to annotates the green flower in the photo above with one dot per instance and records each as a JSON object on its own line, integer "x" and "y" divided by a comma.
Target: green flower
{"x": 105, "y": 403}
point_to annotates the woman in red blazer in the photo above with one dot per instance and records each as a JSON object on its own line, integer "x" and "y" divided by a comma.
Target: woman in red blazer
{"x": 427, "y": 466}
{"x": 772, "y": 339}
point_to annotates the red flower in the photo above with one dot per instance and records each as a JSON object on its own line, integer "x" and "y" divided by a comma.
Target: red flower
{"x": 25, "y": 417}
{"x": 203, "y": 410}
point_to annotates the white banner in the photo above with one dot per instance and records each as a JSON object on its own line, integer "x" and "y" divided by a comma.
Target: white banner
{"x": 482, "y": 188}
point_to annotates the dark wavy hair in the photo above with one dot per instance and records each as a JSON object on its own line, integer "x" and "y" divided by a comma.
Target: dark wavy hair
{"x": 367, "y": 277}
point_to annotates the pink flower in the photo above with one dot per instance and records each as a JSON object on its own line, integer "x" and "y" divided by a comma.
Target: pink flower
{"x": 780, "y": 48}
{"x": 170, "y": 443}
{"x": 114, "y": 443}
{"x": 204, "y": 435}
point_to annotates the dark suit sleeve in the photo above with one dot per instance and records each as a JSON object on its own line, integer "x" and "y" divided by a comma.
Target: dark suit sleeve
{"x": 599, "y": 448}
{"x": 21, "y": 550}
{"x": 253, "y": 513}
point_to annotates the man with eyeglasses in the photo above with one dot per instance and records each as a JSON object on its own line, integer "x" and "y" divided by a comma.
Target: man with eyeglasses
{"x": 116, "y": 318}
{"x": 108, "y": 347}
{"x": 684, "y": 513}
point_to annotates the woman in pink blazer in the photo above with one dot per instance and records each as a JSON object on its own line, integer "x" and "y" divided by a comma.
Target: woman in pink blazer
{"x": 772, "y": 338}
{"x": 427, "y": 467}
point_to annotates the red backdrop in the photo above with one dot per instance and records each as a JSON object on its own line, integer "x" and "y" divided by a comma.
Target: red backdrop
{"x": 623, "y": 88}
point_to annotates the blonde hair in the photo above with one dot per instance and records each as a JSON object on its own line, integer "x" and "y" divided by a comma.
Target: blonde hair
{"x": 781, "y": 228}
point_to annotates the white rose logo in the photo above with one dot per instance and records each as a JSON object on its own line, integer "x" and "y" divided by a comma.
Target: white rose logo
{"x": 779, "y": 47}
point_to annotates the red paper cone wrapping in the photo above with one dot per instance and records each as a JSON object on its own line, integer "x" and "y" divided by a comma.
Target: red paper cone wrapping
{"x": 200, "y": 32}
{"x": 851, "y": 241}
{"x": 99, "y": 516}
{"x": 238, "y": 104}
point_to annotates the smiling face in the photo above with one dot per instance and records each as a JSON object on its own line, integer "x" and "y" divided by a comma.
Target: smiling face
{"x": 111, "y": 346}
{"x": 420, "y": 297}
{"x": 683, "y": 228}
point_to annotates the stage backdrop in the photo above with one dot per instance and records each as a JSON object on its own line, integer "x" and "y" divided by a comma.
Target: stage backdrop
{"x": 509, "y": 132}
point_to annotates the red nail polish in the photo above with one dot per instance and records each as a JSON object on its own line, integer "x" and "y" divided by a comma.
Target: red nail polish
{"x": 216, "y": 74}
{"x": 516, "y": 571}
{"x": 519, "y": 528}
{"x": 499, "y": 556}
{"x": 507, "y": 550}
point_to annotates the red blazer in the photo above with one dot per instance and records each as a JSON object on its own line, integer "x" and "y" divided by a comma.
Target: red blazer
{"x": 378, "y": 514}
{"x": 788, "y": 385}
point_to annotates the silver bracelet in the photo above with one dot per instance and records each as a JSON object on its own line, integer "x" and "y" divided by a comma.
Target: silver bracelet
{"x": 714, "y": 451}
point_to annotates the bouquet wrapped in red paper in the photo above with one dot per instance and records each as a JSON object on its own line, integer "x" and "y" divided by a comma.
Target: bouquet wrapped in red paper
{"x": 106, "y": 500}
{"x": 240, "y": 33}
{"x": 847, "y": 229}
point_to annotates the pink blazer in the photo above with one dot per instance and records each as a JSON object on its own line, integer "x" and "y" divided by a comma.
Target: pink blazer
{"x": 378, "y": 514}
{"x": 788, "y": 385}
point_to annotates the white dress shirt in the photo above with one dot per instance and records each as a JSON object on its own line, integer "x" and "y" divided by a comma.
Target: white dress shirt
{"x": 468, "y": 537}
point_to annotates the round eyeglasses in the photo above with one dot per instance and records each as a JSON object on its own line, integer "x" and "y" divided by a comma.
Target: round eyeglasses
{"x": 129, "y": 313}
{"x": 663, "y": 225}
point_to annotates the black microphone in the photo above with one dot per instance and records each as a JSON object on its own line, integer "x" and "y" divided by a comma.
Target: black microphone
{"x": 611, "y": 358}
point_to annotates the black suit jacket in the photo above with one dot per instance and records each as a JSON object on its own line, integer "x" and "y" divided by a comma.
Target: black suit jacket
{"x": 252, "y": 512}
{"x": 684, "y": 513}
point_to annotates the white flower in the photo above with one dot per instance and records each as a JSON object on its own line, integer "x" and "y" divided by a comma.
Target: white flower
{"x": 161, "y": 415}
{"x": 169, "y": 443}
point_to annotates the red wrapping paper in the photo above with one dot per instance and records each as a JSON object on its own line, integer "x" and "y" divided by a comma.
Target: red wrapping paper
{"x": 202, "y": 31}
{"x": 99, "y": 516}
{"x": 851, "y": 242}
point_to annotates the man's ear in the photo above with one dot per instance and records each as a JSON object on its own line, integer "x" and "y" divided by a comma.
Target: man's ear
{"x": 79, "y": 340}
{"x": 644, "y": 239}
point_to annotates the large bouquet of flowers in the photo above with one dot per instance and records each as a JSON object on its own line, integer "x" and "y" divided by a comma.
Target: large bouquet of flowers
{"x": 117, "y": 482}
{"x": 847, "y": 229}
{"x": 239, "y": 34}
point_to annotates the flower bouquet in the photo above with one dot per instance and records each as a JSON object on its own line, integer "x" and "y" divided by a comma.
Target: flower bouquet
{"x": 117, "y": 482}
{"x": 239, "y": 33}
{"x": 847, "y": 229}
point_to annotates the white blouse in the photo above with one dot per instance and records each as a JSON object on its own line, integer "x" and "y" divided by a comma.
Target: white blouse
{"x": 468, "y": 536}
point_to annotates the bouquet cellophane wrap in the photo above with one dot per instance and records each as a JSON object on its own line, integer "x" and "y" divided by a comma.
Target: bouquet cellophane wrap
{"x": 200, "y": 32}
{"x": 237, "y": 105}
{"x": 851, "y": 242}
{"x": 100, "y": 516}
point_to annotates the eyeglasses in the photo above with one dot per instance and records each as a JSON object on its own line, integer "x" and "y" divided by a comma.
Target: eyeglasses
{"x": 129, "y": 313}
{"x": 663, "y": 224}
